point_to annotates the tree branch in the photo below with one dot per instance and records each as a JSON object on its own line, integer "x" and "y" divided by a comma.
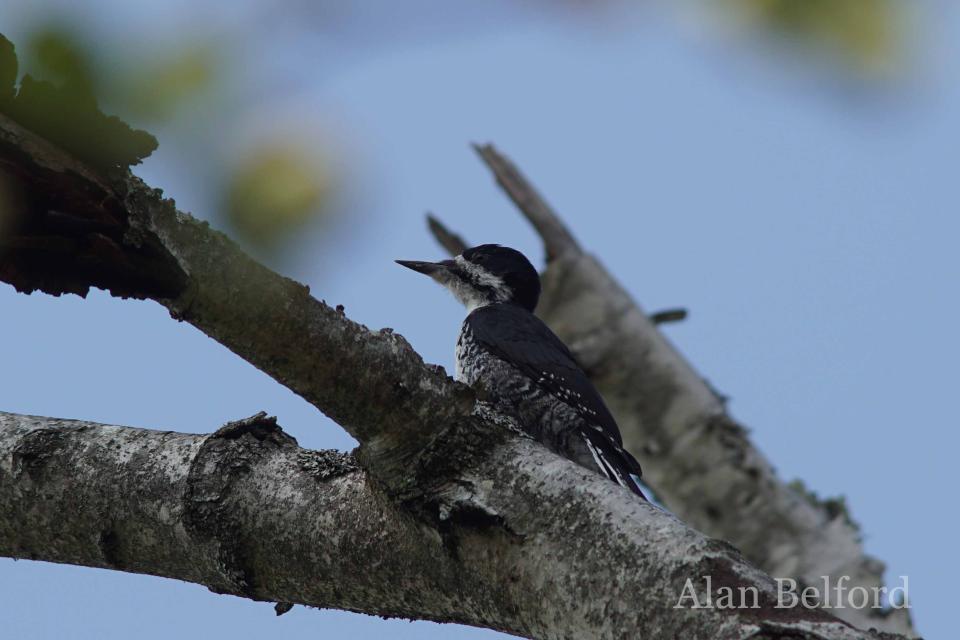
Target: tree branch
{"x": 668, "y": 315}
{"x": 452, "y": 242}
{"x": 209, "y": 282}
{"x": 246, "y": 512}
{"x": 537, "y": 545}
{"x": 557, "y": 239}
{"x": 243, "y": 511}
{"x": 699, "y": 461}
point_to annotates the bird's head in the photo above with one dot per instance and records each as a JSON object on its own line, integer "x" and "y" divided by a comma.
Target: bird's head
{"x": 485, "y": 275}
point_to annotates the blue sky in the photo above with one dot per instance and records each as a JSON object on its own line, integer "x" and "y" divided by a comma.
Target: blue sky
{"x": 810, "y": 229}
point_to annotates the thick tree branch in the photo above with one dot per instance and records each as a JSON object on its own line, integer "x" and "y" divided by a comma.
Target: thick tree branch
{"x": 699, "y": 461}
{"x": 244, "y": 511}
{"x": 205, "y": 279}
{"x": 539, "y": 546}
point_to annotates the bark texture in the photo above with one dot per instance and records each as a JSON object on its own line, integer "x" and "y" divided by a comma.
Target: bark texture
{"x": 698, "y": 460}
{"x": 456, "y": 518}
{"x": 530, "y": 543}
{"x": 209, "y": 282}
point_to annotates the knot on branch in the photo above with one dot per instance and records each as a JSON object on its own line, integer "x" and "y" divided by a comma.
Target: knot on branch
{"x": 260, "y": 426}
{"x": 35, "y": 449}
{"x": 417, "y": 471}
{"x": 213, "y": 499}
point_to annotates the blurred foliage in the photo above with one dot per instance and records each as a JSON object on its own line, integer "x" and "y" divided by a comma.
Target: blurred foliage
{"x": 156, "y": 91}
{"x": 62, "y": 58}
{"x": 866, "y": 37}
{"x": 277, "y": 188}
{"x": 865, "y": 33}
{"x": 66, "y": 113}
{"x": 147, "y": 88}
{"x": 193, "y": 81}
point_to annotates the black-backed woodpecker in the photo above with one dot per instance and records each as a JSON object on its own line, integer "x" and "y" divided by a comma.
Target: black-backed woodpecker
{"x": 524, "y": 369}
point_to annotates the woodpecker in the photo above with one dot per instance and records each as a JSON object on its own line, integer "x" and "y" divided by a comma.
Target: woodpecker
{"x": 524, "y": 369}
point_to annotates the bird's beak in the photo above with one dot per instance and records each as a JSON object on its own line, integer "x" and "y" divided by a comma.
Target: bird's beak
{"x": 426, "y": 268}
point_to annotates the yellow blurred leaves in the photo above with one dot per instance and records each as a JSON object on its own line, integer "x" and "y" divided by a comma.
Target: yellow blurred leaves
{"x": 865, "y": 33}
{"x": 277, "y": 188}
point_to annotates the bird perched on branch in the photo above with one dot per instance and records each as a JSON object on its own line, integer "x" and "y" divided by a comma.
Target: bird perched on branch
{"x": 524, "y": 368}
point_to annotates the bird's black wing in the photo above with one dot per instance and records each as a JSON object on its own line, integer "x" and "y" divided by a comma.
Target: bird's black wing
{"x": 522, "y": 339}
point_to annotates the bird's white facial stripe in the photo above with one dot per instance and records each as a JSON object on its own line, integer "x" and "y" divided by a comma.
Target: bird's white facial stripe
{"x": 479, "y": 288}
{"x": 462, "y": 291}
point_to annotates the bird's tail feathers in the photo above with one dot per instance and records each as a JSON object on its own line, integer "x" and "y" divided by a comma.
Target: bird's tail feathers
{"x": 614, "y": 461}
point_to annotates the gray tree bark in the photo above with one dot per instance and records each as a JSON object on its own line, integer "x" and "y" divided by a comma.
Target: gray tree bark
{"x": 697, "y": 459}
{"x": 455, "y": 515}
{"x": 525, "y": 542}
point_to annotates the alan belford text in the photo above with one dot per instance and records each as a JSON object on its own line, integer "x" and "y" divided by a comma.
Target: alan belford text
{"x": 831, "y": 593}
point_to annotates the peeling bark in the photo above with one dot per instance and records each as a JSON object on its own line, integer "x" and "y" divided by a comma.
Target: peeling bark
{"x": 527, "y": 543}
